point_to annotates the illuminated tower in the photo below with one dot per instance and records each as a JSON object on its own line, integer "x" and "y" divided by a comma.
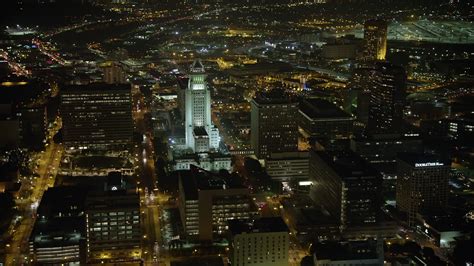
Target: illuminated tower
{"x": 375, "y": 40}
{"x": 201, "y": 134}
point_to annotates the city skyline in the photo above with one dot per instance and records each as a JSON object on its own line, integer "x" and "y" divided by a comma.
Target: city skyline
{"x": 236, "y": 133}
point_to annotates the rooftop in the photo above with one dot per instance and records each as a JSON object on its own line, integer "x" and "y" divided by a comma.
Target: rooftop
{"x": 347, "y": 250}
{"x": 261, "y": 225}
{"x": 97, "y": 87}
{"x": 348, "y": 164}
{"x": 274, "y": 96}
{"x": 317, "y": 108}
{"x": 199, "y": 179}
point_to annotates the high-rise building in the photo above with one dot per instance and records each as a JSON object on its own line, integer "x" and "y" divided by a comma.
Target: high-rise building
{"x": 387, "y": 98}
{"x": 207, "y": 201}
{"x": 422, "y": 183}
{"x": 113, "y": 73}
{"x": 97, "y": 116}
{"x": 346, "y": 187}
{"x": 375, "y": 40}
{"x": 201, "y": 134}
{"x": 113, "y": 225}
{"x": 260, "y": 242}
{"x": 274, "y": 127}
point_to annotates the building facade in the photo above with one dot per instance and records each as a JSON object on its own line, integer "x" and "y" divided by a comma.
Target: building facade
{"x": 387, "y": 98}
{"x": 375, "y": 40}
{"x": 262, "y": 242}
{"x": 201, "y": 134}
{"x": 346, "y": 187}
{"x": 113, "y": 226}
{"x": 288, "y": 166}
{"x": 97, "y": 116}
{"x": 207, "y": 201}
{"x": 422, "y": 184}
{"x": 274, "y": 127}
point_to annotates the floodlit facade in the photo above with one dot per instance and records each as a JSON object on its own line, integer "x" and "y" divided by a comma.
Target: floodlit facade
{"x": 201, "y": 134}
{"x": 375, "y": 38}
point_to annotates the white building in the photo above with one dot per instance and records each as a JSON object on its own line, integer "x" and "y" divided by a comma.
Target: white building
{"x": 198, "y": 123}
{"x": 263, "y": 242}
{"x": 202, "y": 141}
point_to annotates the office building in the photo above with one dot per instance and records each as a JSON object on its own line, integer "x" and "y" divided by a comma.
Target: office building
{"x": 307, "y": 220}
{"x": 201, "y": 134}
{"x": 288, "y": 166}
{"x": 58, "y": 235}
{"x": 206, "y": 201}
{"x": 347, "y": 187}
{"x": 375, "y": 40}
{"x": 387, "y": 98}
{"x": 351, "y": 252}
{"x": 113, "y": 225}
{"x": 97, "y": 116}
{"x": 422, "y": 184}
{"x": 264, "y": 241}
{"x": 381, "y": 150}
{"x": 325, "y": 123}
{"x": 274, "y": 127}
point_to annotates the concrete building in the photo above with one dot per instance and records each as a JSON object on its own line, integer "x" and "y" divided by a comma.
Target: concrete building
{"x": 202, "y": 145}
{"x": 354, "y": 252}
{"x": 325, "y": 123}
{"x": 422, "y": 184}
{"x": 274, "y": 128}
{"x": 58, "y": 235}
{"x": 347, "y": 187}
{"x": 206, "y": 201}
{"x": 113, "y": 225}
{"x": 381, "y": 150}
{"x": 97, "y": 116}
{"x": 201, "y": 134}
{"x": 288, "y": 166}
{"x": 208, "y": 161}
{"x": 261, "y": 242}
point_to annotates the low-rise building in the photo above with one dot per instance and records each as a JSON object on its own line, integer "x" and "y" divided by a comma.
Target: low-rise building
{"x": 260, "y": 242}
{"x": 359, "y": 252}
{"x": 207, "y": 201}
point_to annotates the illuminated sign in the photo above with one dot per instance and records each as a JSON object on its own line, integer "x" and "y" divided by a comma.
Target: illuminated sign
{"x": 428, "y": 164}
